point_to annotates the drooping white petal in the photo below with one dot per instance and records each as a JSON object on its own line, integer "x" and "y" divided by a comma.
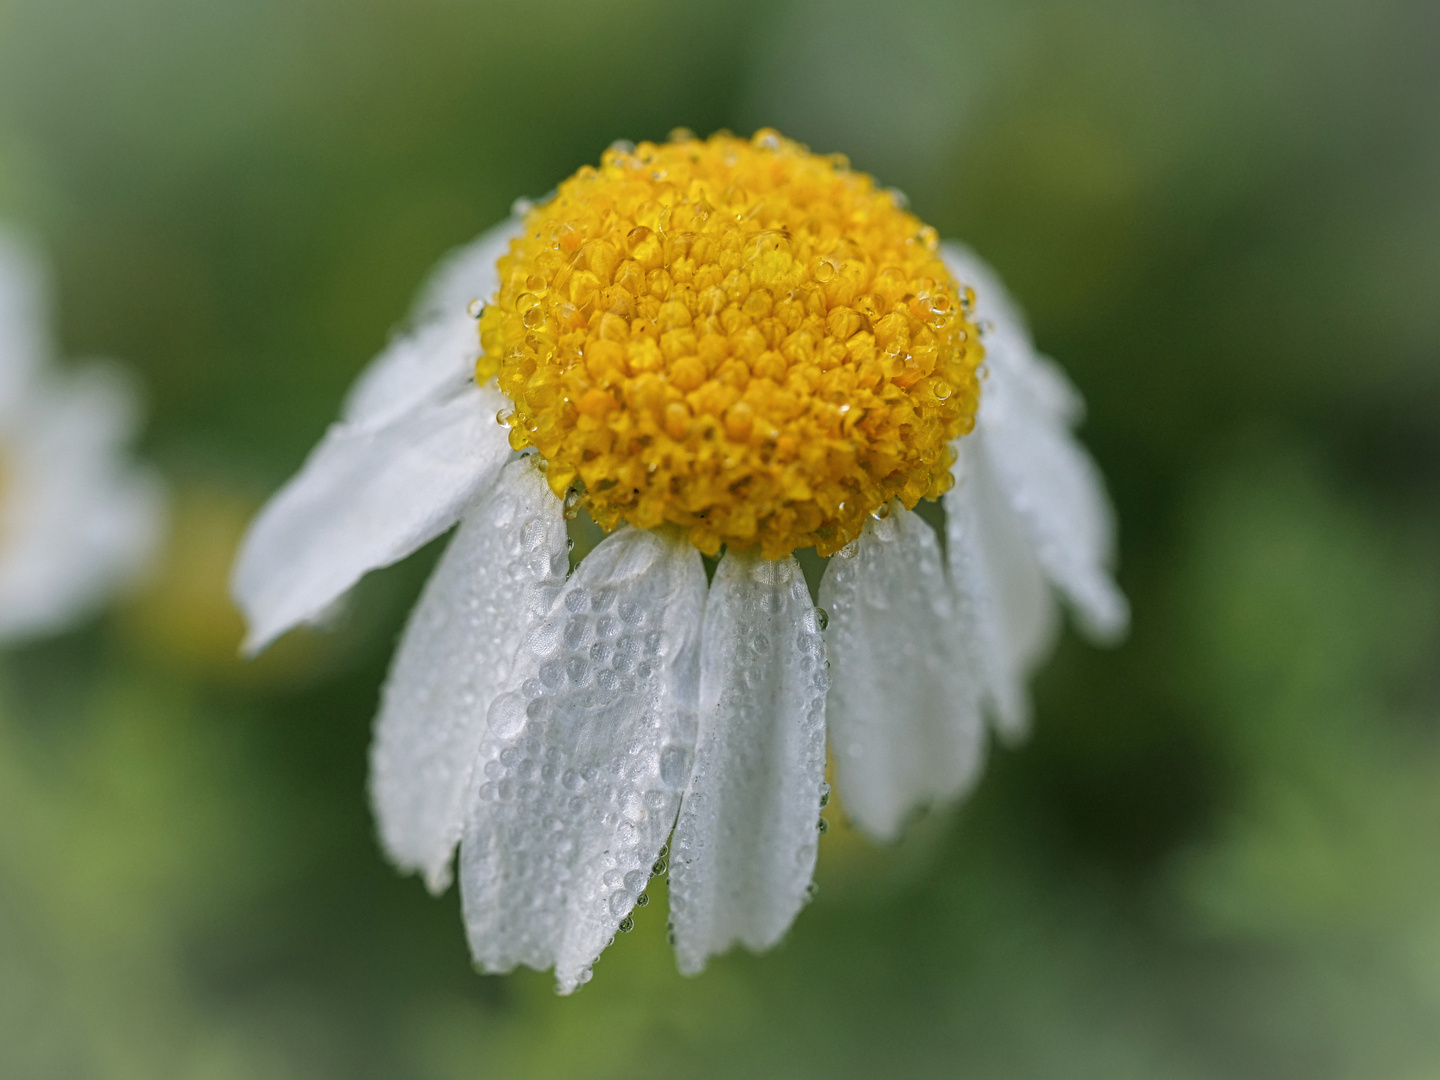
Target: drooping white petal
{"x": 904, "y": 704}
{"x": 1001, "y": 591}
{"x": 1008, "y": 340}
{"x": 77, "y": 519}
{"x": 588, "y": 750}
{"x": 435, "y": 354}
{"x": 468, "y": 273}
{"x": 1027, "y": 408}
{"x": 745, "y": 843}
{"x": 367, "y": 496}
{"x": 497, "y": 579}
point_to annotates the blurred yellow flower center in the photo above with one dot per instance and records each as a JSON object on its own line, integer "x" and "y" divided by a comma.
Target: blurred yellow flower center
{"x": 738, "y": 337}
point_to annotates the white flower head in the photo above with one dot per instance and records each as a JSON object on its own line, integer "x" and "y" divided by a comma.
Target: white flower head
{"x": 78, "y": 518}
{"x": 730, "y": 348}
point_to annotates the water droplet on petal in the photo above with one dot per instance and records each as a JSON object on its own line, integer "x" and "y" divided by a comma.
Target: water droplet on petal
{"x": 674, "y": 766}
{"x": 507, "y": 715}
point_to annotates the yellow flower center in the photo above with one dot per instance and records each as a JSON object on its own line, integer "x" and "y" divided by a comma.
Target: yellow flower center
{"x": 737, "y": 337}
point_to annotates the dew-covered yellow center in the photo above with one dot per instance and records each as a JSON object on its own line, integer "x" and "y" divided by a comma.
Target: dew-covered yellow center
{"x": 737, "y": 337}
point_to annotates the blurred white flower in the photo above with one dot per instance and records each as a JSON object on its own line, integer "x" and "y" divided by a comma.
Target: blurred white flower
{"x": 78, "y": 518}
{"x": 727, "y": 343}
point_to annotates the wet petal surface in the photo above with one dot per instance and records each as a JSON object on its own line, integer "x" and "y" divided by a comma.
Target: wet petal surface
{"x": 904, "y": 704}
{"x": 1001, "y": 591}
{"x": 497, "y": 580}
{"x": 746, "y": 840}
{"x": 435, "y": 355}
{"x": 366, "y": 497}
{"x": 1026, "y": 412}
{"x": 588, "y": 751}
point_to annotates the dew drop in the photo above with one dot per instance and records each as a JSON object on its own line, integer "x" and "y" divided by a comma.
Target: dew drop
{"x": 822, "y": 618}
{"x": 642, "y": 899}
{"x": 577, "y": 632}
{"x": 507, "y": 715}
{"x": 674, "y": 766}
{"x": 660, "y": 866}
{"x": 474, "y": 308}
{"x": 637, "y": 236}
{"x": 822, "y": 826}
{"x": 626, "y": 925}
{"x": 572, "y": 502}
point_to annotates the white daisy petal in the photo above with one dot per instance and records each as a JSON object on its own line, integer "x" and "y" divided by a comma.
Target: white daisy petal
{"x": 1001, "y": 590}
{"x": 435, "y": 355}
{"x": 1026, "y": 411}
{"x": 470, "y": 272}
{"x": 366, "y": 497}
{"x": 746, "y": 840}
{"x": 496, "y": 580}
{"x": 77, "y": 519}
{"x": 903, "y": 707}
{"x": 1008, "y": 339}
{"x": 588, "y": 751}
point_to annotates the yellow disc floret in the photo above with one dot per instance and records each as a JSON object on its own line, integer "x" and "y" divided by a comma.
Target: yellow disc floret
{"x": 738, "y": 337}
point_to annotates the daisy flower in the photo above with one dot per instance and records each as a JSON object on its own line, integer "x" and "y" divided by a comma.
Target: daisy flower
{"x": 724, "y": 352}
{"x": 78, "y": 518}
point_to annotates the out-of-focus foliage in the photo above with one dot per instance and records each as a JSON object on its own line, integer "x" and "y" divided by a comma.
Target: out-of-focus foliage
{"x": 1219, "y": 854}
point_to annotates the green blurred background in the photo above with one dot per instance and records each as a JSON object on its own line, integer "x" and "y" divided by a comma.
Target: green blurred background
{"x": 1219, "y": 854}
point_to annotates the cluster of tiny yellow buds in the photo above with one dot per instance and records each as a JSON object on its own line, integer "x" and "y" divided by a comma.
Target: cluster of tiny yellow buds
{"x": 737, "y": 337}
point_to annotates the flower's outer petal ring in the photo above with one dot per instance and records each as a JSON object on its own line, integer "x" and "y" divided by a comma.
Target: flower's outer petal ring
{"x": 435, "y": 355}
{"x": 497, "y": 579}
{"x": 904, "y": 704}
{"x": 366, "y": 497}
{"x": 746, "y": 840}
{"x": 588, "y": 751}
{"x": 1027, "y": 408}
{"x": 78, "y": 520}
{"x": 1001, "y": 591}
